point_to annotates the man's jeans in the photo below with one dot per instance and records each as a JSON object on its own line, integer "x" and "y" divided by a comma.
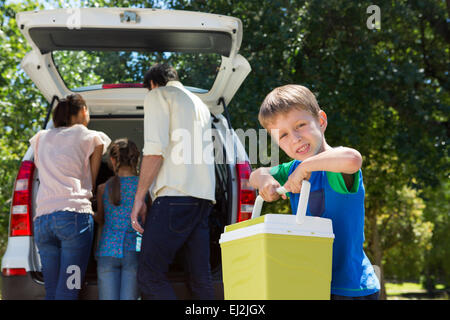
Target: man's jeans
{"x": 117, "y": 277}
{"x": 64, "y": 240}
{"x": 172, "y": 222}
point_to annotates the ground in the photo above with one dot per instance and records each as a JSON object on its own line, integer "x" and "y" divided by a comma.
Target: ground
{"x": 414, "y": 291}
{"x": 397, "y": 291}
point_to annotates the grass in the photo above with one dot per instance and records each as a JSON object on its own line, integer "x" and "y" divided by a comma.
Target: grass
{"x": 414, "y": 291}
{"x": 394, "y": 289}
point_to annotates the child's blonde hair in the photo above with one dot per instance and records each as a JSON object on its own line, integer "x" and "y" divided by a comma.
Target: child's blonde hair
{"x": 283, "y": 99}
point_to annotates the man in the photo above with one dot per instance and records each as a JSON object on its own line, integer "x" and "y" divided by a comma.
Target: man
{"x": 182, "y": 191}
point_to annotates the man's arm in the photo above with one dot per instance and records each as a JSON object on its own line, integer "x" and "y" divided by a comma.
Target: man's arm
{"x": 156, "y": 140}
{"x": 149, "y": 170}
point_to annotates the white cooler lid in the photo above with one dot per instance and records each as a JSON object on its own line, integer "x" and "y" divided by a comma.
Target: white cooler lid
{"x": 279, "y": 224}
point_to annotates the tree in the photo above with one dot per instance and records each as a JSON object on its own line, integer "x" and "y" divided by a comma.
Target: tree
{"x": 437, "y": 258}
{"x": 22, "y": 106}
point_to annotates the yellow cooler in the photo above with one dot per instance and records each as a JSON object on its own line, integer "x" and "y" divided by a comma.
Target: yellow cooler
{"x": 278, "y": 256}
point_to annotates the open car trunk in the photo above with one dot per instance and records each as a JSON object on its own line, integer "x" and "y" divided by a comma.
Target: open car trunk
{"x": 92, "y": 35}
{"x": 220, "y": 216}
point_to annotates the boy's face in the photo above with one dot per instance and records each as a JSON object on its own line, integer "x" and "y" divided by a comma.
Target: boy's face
{"x": 299, "y": 134}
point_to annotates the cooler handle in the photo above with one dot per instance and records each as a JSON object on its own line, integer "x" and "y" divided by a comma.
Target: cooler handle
{"x": 302, "y": 203}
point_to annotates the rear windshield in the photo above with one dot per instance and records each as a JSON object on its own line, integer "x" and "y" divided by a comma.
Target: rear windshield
{"x": 92, "y": 70}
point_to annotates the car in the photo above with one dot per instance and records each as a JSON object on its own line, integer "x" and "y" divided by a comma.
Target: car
{"x": 83, "y": 38}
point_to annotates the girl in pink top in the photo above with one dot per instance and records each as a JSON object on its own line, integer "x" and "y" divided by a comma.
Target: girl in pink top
{"x": 68, "y": 158}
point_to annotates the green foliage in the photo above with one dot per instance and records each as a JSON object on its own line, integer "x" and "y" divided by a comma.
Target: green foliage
{"x": 406, "y": 234}
{"x": 86, "y": 68}
{"x": 437, "y": 259}
{"x": 21, "y": 106}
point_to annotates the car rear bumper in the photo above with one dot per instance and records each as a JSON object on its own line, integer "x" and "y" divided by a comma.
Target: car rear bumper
{"x": 26, "y": 287}
{"x": 22, "y": 288}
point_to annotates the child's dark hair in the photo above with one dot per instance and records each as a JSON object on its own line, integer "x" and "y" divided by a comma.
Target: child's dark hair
{"x": 125, "y": 153}
{"x": 66, "y": 108}
{"x": 160, "y": 73}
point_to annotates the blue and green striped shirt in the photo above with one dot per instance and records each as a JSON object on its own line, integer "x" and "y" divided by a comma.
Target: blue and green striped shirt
{"x": 352, "y": 273}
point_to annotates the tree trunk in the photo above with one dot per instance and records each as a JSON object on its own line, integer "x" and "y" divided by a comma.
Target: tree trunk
{"x": 377, "y": 252}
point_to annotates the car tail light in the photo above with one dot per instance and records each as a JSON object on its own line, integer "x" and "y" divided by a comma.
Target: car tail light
{"x": 21, "y": 204}
{"x": 122, "y": 85}
{"x": 14, "y": 272}
{"x": 246, "y": 194}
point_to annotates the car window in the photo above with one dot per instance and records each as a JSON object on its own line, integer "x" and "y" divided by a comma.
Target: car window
{"x": 91, "y": 70}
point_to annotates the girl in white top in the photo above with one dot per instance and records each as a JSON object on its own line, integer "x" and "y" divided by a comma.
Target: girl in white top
{"x": 68, "y": 159}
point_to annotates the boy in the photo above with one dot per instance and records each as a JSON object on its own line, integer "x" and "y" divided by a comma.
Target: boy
{"x": 294, "y": 120}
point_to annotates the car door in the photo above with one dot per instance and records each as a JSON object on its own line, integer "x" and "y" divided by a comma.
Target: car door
{"x": 116, "y": 29}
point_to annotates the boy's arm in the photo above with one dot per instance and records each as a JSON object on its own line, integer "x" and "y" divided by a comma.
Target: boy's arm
{"x": 266, "y": 184}
{"x": 342, "y": 159}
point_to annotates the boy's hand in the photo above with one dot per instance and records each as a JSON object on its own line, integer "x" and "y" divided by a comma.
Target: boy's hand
{"x": 269, "y": 191}
{"x": 262, "y": 180}
{"x": 295, "y": 180}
